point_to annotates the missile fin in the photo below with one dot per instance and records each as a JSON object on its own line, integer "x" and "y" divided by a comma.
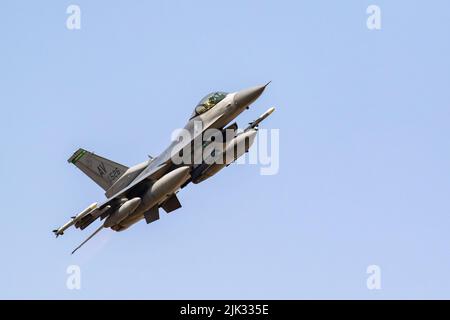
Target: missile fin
{"x": 57, "y": 233}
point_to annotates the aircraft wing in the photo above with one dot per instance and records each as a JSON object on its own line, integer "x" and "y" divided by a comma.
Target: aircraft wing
{"x": 95, "y": 211}
{"x": 154, "y": 171}
{"x": 146, "y": 175}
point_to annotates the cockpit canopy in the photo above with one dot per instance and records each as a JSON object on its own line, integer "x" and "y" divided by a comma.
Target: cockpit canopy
{"x": 208, "y": 102}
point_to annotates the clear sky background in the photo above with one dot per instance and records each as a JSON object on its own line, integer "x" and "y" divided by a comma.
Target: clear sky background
{"x": 364, "y": 147}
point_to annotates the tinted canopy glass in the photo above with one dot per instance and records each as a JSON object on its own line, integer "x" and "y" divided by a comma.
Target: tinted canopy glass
{"x": 209, "y": 101}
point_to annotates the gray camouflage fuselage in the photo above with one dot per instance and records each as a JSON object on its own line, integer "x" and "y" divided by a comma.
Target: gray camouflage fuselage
{"x": 138, "y": 192}
{"x": 217, "y": 118}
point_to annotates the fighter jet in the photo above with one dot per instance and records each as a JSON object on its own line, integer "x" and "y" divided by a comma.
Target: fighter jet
{"x": 138, "y": 192}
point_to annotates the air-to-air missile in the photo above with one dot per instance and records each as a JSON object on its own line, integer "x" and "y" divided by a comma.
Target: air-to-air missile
{"x": 60, "y": 231}
{"x": 233, "y": 149}
{"x": 261, "y": 118}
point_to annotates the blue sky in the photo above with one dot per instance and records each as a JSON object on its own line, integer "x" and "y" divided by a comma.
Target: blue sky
{"x": 364, "y": 149}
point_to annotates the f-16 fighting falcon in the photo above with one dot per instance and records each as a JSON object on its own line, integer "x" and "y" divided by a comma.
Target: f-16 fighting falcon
{"x": 138, "y": 192}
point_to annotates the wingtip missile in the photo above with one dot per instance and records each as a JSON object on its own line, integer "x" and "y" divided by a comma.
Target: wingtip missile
{"x": 261, "y": 118}
{"x": 74, "y": 219}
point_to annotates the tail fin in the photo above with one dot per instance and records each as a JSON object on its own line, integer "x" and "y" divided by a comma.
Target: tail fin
{"x": 102, "y": 171}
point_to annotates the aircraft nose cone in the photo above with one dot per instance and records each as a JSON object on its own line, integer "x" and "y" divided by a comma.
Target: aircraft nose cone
{"x": 245, "y": 97}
